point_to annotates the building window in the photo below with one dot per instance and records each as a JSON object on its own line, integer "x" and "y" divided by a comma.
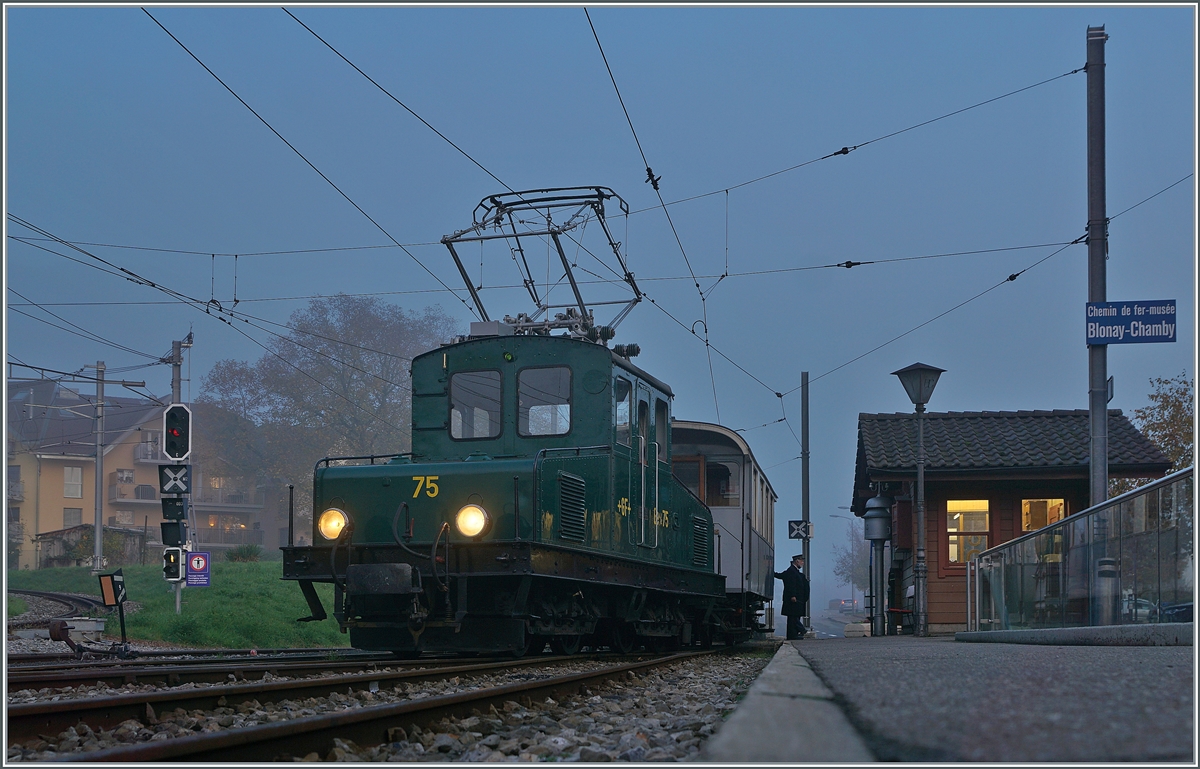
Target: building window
{"x": 967, "y": 524}
{"x": 72, "y": 516}
{"x": 14, "y": 514}
{"x": 1036, "y": 513}
{"x": 544, "y": 401}
{"x": 123, "y": 518}
{"x": 124, "y": 476}
{"x": 623, "y": 392}
{"x": 73, "y": 482}
{"x": 475, "y": 405}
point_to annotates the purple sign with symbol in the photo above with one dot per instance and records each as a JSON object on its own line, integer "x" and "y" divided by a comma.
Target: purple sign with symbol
{"x": 197, "y": 569}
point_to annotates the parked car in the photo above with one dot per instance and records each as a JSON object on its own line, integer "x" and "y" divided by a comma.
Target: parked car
{"x": 1138, "y": 610}
{"x": 1180, "y": 612}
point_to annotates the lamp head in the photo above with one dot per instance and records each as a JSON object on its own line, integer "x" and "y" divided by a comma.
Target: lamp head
{"x": 919, "y": 380}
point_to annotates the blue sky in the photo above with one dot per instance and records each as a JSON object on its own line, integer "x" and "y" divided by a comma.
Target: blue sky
{"x": 115, "y": 135}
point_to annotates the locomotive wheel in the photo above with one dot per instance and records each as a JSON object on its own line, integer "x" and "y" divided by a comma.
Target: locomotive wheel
{"x": 533, "y": 644}
{"x": 623, "y": 638}
{"x": 566, "y": 644}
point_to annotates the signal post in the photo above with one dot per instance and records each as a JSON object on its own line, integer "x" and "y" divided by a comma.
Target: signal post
{"x": 175, "y": 481}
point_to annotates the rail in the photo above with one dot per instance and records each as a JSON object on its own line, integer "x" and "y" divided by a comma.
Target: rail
{"x": 1128, "y": 560}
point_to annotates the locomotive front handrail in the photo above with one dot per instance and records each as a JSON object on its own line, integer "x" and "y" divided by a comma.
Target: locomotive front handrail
{"x": 372, "y": 457}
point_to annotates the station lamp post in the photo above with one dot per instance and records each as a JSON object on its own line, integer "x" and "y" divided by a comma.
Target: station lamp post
{"x": 919, "y": 381}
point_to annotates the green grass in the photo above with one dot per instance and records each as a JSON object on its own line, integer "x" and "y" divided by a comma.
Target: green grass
{"x": 16, "y": 606}
{"x": 246, "y": 605}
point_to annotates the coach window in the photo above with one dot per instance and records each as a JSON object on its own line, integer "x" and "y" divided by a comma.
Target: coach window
{"x": 544, "y": 401}
{"x": 723, "y": 482}
{"x": 623, "y": 392}
{"x": 689, "y": 471}
{"x": 475, "y": 405}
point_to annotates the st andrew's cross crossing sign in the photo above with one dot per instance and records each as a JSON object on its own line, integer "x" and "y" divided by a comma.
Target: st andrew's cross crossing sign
{"x": 174, "y": 479}
{"x": 799, "y": 529}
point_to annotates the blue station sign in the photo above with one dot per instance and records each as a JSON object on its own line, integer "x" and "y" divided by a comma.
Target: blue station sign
{"x": 1131, "y": 322}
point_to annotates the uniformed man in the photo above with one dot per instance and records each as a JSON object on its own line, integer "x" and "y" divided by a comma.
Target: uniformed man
{"x": 795, "y": 597}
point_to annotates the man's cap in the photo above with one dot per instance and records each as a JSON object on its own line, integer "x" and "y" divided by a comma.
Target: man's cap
{"x": 797, "y": 557}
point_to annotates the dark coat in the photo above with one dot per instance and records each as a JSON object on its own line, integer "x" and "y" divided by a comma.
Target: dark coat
{"x": 795, "y": 585}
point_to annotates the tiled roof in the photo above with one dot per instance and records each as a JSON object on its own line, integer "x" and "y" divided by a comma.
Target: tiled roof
{"x": 49, "y": 418}
{"x": 996, "y": 440}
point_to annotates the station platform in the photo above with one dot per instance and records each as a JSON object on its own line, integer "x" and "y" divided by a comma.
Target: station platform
{"x": 935, "y": 699}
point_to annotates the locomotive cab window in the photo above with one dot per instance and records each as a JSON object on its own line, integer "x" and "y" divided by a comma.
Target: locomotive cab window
{"x": 623, "y": 392}
{"x": 662, "y": 424}
{"x": 475, "y": 405}
{"x": 544, "y": 401}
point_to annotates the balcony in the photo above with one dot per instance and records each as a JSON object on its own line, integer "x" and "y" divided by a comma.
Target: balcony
{"x": 124, "y": 493}
{"x": 148, "y": 452}
{"x": 208, "y": 496}
{"x": 217, "y": 536}
{"x": 16, "y": 491}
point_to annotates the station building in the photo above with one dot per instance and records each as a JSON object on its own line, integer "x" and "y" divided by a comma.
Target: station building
{"x": 990, "y": 476}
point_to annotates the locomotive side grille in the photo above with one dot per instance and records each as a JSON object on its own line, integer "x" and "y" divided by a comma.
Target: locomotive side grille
{"x": 571, "y": 506}
{"x": 699, "y": 542}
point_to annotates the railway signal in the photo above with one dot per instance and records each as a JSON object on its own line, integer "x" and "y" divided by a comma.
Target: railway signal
{"x": 174, "y": 479}
{"x": 177, "y": 432}
{"x": 174, "y": 532}
{"x": 173, "y": 564}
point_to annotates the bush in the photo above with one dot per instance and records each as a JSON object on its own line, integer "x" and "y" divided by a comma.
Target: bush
{"x": 245, "y": 554}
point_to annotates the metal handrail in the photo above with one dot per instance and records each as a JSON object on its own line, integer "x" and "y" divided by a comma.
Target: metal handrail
{"x": 973, "y": 578}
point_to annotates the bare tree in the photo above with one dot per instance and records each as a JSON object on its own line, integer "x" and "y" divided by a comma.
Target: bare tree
{"x": 337, "y": 384}
{"x": 1168, "y": 421}
{"x": 851, "y": 563}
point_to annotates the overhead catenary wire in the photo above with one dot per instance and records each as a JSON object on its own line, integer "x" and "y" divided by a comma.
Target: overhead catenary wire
{"x": 851, "y": 148}
{"x": 221, "y": 314}
{"x": 299, "y": 154}
{"x": 653, "y": 181}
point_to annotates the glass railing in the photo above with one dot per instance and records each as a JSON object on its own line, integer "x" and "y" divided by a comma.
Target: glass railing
{"x": 1125, "y": 561}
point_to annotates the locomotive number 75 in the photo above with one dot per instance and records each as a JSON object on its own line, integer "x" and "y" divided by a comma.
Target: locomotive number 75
{"x": 429, "y": 482}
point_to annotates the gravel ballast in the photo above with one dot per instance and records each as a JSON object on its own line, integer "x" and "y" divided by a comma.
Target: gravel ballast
{"x": 664, "y": 714}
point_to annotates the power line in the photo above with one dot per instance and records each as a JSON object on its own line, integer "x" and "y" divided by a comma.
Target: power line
{"x": 221, "y": 312}
{"x": 402, "y": 104}
{"x": 848, "y": 149}
{"x": 653, "y": 181}
{"x": 248, "y": 253}
{"x": 299, "y": 154}
{"x": 80, "y": 331}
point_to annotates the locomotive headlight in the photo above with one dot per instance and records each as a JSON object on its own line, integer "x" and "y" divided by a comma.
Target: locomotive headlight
{"x": 471, "y": 520}
{"x": 331, "y": 523}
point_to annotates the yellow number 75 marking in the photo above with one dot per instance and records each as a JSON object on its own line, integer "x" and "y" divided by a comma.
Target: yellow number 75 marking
{"x": 429, "y": 482}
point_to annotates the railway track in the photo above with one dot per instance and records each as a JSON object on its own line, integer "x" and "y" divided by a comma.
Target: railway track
{"x": 213, "y": 670}
{"x": 28, "y": 720}
{"x": 366, "y": 725}
{"x": 73, "y": 606}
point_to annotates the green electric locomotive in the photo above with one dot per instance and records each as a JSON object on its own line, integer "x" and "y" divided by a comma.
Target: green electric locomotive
{"x": 538, "y": 504}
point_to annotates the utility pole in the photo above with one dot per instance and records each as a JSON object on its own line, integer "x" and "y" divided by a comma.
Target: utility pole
{"x": 98, "y": 550}
{"x": 804, "y": 487}
{"x": 1097, "y": 240}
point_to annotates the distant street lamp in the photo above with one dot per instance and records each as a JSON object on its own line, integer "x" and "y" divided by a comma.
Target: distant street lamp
{"x": 919, "y": 381}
